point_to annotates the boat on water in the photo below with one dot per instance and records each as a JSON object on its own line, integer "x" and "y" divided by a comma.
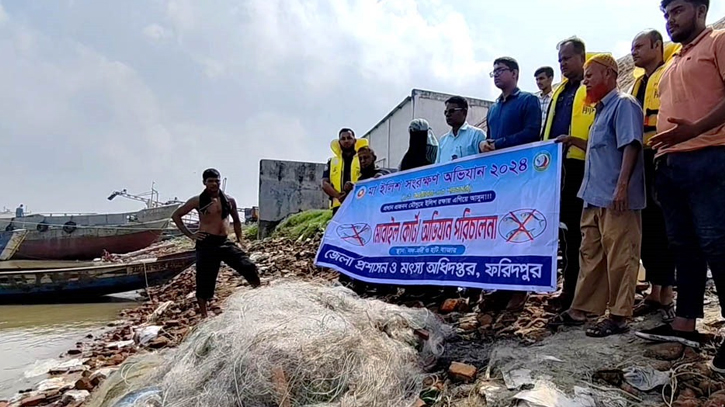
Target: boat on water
{"x": 28, "y": 283}
{"x": 85, "y": 237}
{"x": 10, "y": 243}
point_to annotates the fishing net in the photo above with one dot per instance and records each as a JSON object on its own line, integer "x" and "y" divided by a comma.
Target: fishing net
{"x": 294, "y": 344}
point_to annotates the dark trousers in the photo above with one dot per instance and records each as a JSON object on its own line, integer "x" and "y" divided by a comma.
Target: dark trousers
{"x": 571, "y": 213}
{"x": 210, "y": 252}
{"x": 690, "y": 187}
{"x": 657, "y": 258}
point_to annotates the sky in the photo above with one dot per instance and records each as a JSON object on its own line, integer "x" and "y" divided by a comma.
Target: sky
{"x": 99, "y": 95}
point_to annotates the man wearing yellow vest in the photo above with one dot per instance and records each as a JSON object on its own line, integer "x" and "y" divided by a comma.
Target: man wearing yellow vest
{"x": 650, "y": 56}
{"x": 570, "y": 115}
{"x": 343, "y": 169}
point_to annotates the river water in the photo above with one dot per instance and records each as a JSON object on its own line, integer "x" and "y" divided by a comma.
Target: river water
{"x": 33, "y": 334}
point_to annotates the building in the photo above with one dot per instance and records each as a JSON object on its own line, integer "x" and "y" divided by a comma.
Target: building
{"x": 389, "y": 138}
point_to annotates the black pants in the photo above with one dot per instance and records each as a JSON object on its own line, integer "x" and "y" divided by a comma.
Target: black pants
{"x": 571, "y": 213}
{"x": 657, "y": 258}
{"x": 690, "y": 188}
{"x": 210, "y": 252}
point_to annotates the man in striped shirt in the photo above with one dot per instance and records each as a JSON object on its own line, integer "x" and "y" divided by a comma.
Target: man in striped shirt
{"x": 544, "y": 79}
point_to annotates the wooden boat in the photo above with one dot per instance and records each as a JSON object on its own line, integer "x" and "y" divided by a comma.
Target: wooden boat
{"x": 10, "y": 242}
{"x": 85, "y": 237}
{"x": 83, "y": 283}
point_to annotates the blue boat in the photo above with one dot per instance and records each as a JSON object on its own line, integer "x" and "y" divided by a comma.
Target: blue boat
{"x": 10, "y": 242}
{"x": 29, "y": 285}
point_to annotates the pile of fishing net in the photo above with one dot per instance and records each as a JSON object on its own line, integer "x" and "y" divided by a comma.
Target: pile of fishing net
{"x": 290, "y": 344}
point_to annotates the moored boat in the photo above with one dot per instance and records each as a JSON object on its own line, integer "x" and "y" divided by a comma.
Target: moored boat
{"x": 10, "y": 242}
{"x": 85, "y": 237}
{"x": 90, "y": 281}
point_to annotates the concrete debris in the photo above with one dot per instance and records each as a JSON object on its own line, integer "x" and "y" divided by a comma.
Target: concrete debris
{"x": 488, "y": 340}
{"x": 462, "y": 372}
{"x": 74, "y": 396}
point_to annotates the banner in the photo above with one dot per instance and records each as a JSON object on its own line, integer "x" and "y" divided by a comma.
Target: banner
{"x": 489, "y": 221}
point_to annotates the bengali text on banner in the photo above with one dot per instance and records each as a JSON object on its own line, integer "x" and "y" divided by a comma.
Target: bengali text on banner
{"x": 490, "y": 221}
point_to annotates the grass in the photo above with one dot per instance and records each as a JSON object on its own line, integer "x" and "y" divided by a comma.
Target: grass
{"x": 304, "y": 224}
{"x": 250, "y": 232}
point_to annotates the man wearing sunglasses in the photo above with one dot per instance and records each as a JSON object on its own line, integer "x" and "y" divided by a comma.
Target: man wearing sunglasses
{"x": 463, "y": 139}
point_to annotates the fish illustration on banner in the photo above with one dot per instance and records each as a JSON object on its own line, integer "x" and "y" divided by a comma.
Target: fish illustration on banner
{"x": 488, "y": 221}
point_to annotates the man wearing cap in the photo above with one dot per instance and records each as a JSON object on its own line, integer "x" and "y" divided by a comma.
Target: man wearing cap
{"x": 613, "y": 192}
{"x": 368, "y": 168}
{"x": 422, "y": 148}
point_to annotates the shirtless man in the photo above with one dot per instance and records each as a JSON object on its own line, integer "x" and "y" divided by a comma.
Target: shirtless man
{"x": 212, "y": 244}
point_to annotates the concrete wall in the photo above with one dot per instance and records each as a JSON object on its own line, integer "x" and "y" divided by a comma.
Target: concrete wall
{"x": 389, "y": 138}
{"x": 286, "y": 188}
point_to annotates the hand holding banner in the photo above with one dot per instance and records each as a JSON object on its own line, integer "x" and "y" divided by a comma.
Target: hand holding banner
{"x": 488, "y": 221}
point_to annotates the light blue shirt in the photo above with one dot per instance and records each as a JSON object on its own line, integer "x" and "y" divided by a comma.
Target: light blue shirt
{"x": 617, "y": 124}
{"x": 464, "y": 144}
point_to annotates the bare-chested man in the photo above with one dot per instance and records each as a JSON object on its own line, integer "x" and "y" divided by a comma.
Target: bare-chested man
{"x": 212, "y": 244}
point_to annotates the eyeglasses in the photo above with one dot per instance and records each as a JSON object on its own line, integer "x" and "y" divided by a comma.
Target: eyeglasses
{"x": 498, "y": 72}
{"x": 449, "y": 112}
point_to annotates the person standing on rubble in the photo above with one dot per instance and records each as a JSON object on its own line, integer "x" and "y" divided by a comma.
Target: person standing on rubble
{"x": 368, "y": 168}
{"x": 463, "y": 139}
{"x": 343, "y": 169}
{"x": 513, "y": 120}
{"x": 212, "y": 242}
{"x": 422, "y": 146}
{"x": 570, "y": 115}
{"x": 690, "y": 167}
{"x": 613, "y": 192}
{"x": 650, "y": 54}
{"x": 544, "y": 81}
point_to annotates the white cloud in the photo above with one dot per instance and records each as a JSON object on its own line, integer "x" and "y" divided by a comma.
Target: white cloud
{"x": 3, "y": 15}
{"x": 171, "y": 87}
{"x": 156, "y": 32}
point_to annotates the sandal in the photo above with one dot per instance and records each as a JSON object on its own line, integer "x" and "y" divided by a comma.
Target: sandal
{"x": 668, "y": 312}
{"x": 606, "y": 327}
{"x": 564, "y": 319}
{"x": 646, "y": 307}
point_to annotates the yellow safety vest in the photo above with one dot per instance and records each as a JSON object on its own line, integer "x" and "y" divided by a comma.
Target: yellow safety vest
{"x": 582, "y": 117}
{"x": 652, "y": 95}
{"x": 337, "y": 164}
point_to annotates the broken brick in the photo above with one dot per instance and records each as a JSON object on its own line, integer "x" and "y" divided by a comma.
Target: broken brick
{"x": 462, "y": 372}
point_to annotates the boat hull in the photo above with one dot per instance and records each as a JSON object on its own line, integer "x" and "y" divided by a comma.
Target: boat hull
{"x": 84, "y": 283}
{"x": 10, "y": 243}
{"x": 86, "y": 237}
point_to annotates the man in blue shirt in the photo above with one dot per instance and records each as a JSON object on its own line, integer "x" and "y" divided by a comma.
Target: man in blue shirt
{"x": 613, "y": 192}
{"x": 463, "y": 139}
{"x": 515, "y": 118}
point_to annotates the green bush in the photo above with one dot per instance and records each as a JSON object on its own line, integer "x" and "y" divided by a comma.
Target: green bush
{"x": 250, "y": 232}
{"x": 304, "y": 224}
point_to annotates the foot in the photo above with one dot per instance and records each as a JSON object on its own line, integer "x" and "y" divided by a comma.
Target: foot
{"x": 718, "y": 363}
{"x": 668, "y": 312}
{"x": 607, "y": 327}
{"x": 646, "y": 307}
{"x": 665, "y": 333}
{"x": 565, "y": 319}
{"x": 517, "y": 301}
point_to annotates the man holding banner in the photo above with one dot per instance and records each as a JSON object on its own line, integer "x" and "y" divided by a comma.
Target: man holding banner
{"x": 514, "y": 119}
{"x": 613, "y": 192}
{"x": 464, "y": 223}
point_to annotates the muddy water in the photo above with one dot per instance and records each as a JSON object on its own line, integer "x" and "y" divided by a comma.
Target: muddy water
{"x": 33, "y": 334}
